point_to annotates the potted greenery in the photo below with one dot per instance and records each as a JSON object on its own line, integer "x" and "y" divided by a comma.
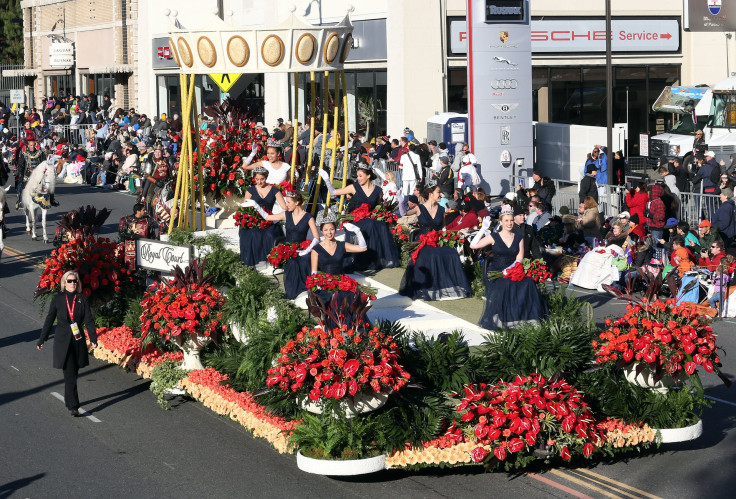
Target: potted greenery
{"x": 186, "y": 310}
{"x": 165, "y": 379}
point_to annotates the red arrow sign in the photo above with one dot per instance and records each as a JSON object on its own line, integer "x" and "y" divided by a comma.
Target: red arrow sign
{"x": 666, "y": 36}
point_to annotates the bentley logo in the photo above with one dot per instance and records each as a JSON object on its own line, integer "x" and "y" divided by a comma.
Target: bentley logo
{"x": 503, "y": 36}
{"x": 505, "y": 108}
{"x": 504, "y": 60}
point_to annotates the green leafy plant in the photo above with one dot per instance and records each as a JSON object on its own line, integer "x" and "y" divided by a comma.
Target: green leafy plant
{"x": 561, "y": 343}
{"x": 165, "y": 376}
{"x": 248, "y": 301}
{"x": 322, "y": 436}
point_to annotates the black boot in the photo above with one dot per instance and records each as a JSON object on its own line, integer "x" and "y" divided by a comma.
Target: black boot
{"x": 53, "y": 201}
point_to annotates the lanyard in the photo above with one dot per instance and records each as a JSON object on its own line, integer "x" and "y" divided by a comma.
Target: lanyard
{"x": 70, "y": 309}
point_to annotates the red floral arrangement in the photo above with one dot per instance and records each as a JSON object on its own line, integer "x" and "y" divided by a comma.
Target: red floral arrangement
{"x": 437, "y": 239}
{"x": 332, "y": 283}
{"x": 400, "y": 234}
{"x": 225, "y": 148}
{"x": 337, "y": 363}
{"x": 379, "y": 213}
{"x": 285, "y": 187}
{"x": 537, "y": 270}
{"x": 186, "y": 308}
{"x": 666, "y": 337}
{"x": 249, "y": 218}
{"x": 513, "y": 419}
{"x": 99, "y": 262}
{"x": 282, "y": 253}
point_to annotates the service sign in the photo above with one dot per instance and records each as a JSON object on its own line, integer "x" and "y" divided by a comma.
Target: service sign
{"x": 161, "y": 256}
{"x": 580, "y": 35}
{"x": 61, "y": 55}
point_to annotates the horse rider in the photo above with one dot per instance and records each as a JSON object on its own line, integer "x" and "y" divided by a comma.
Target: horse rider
{"x": 134, "y": 227}
{"x": 29, "y": 159}
{"x": 157, "y": 174}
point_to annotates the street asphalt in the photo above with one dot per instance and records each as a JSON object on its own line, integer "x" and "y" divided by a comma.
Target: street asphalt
{"x": 129, "y": 447}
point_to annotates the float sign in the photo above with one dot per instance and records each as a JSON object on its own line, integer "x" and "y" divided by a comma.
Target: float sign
{"x": 499, "y": 86}
{"x": 163, "y": 257}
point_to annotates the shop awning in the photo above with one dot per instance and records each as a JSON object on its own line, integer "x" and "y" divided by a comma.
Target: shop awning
{"x": 113, "y": 68}
{"x": 14, "y": 73}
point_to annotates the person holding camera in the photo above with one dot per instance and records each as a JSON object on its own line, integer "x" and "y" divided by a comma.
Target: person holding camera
{"x": 70, "y": 309}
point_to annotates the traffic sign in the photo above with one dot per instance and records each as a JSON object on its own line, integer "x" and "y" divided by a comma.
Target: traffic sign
{"x": 225, "y": 80}
{"x": 17, "y": 96}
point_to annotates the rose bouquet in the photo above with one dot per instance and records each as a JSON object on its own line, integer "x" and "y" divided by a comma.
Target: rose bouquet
{"x": 665, "y": 337}
{"x": 282, "y": 253}
{"x": 382, "y": 213}
{"x": 534, "y": 269}
{"x": 187, "y": 309}
{"x": 437, "y": 239}
{"x": 512, "y": 420}
{"x": 249, "y": 218}
{"x": 98, "y": 261}
{"x": 337, "y": 363}
{"x": 322, "y": 281}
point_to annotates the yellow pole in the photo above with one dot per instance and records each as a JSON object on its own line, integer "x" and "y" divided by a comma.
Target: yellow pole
{"x": 190, "y": 152}
{"x": 177, "y": 190}
{"x": 295, "y": 125}
{"x": 346, "y": 155}
{"x": 186, "y": 219}
{"x": 310, "y": 155}
{"x": 325, "y": 93}
{"x": 336, "y": 113}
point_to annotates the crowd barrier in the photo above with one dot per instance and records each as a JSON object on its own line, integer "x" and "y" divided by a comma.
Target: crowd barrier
{"x": 694, "y": 206}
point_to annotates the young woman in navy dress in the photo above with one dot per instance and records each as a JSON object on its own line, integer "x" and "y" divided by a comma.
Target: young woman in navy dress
{"x": 298, "y": 224}
{"x": 256, "y": 244}
{"x": 438, "y": 273}
{"x": 382, "y": 252}
{"x": 507, "y": 302}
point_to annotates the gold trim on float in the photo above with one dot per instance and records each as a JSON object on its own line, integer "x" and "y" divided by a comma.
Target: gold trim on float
{"x": 270, "y": 40}
{"x": 204, "y": 44}
{"x": 243, "y": 46}
{"x": 174, "y": 52}
{"x": 298, "y": 52}
{"x": 333, "y": 46}
{"x": 346, "y": 48}
{"x": 185, "y": 52}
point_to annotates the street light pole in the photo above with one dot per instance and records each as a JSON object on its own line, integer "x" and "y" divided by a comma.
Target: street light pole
{"x": 609, "y": 90}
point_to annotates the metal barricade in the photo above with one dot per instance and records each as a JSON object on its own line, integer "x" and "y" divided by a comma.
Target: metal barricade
{"x": 74, "y": 134}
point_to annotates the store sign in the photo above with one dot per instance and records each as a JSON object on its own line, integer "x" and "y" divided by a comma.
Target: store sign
{"x": 61, "y": 55}
{"x": 163, "y": 257}
{"x": 709, "y": 15}
{"x": 505, "y": 11}
{"x": 499, "y": 86}
{"x": 571, "y": 35}
{"x": 162, "y": 56}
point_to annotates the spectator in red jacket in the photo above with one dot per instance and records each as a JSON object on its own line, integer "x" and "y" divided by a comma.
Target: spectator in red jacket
{"x": 466, "y": 220}
{"x": 637, "y": 199}
{"x": 657, "y": 212}
{"x": 711, "y": 261}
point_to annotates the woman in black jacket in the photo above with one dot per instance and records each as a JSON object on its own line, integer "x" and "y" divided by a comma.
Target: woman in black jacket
{"x": 70, "y": 308}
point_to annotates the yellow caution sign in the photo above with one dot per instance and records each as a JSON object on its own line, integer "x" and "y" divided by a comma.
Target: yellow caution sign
{"x": 225, "y": 80}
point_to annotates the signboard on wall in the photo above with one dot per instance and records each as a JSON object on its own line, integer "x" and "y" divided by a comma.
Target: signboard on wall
{"x": 499, "y": 86}
{"x": 586, "y": 35}
{"x": 709, "y": 15}
{"x": 161, "y": 55}
{"x": 61, "y": 55}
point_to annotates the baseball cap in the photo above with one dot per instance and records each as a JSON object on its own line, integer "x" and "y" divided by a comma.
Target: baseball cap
{"x": 710, "y": 153}
{"x": 704, "y": 223}
{"x": 624, "y": 214}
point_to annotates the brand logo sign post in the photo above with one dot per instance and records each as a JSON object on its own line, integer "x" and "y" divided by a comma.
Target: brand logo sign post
{"x": 160, "y": 256}
{"x": 499, "y": 85}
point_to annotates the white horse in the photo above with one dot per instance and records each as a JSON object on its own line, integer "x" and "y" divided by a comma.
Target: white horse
{"x": 35, "y": 196}
{"x": 3, "y": 206}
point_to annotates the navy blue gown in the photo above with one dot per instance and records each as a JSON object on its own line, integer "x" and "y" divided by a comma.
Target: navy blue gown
{"x": 510, "y": 302}
{"x": 256, "y": 244}
{"x": 333, "y": 264}
{"x": 382, "y": 252}
{"x": 296, "y": 269}
{"x": 438, "y": 273}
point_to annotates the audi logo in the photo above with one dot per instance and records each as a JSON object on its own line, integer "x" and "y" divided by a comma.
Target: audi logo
{"x": 509, "y": 84}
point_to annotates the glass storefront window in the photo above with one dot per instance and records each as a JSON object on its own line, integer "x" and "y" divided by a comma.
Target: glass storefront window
{"x": 565, "y": 96}
{"x": 61, "y": 85}
{"x": 594, "y": 96}
{"x": 540, "y": 95}
{"x": 457, "y": 90}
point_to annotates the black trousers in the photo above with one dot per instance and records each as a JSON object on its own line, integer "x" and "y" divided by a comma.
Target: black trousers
{"x": 71, "y": 369}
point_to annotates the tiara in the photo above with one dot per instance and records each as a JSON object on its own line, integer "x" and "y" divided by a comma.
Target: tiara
{"x": 274, "y": 143}
{"x": 507, "y": 210}
{"x": 291, "y": 194}
{"x": 324, "y": 218}
{"x": 260, "y": 169}
{"x": 365, "y": 166}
